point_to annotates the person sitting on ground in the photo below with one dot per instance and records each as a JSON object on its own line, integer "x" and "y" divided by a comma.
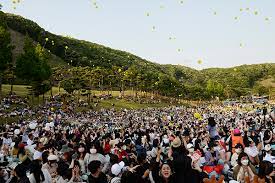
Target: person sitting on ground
{"x": 243, "y": 169}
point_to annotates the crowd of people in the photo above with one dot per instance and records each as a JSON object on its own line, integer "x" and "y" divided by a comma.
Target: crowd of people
{"x": 53, "y": 144}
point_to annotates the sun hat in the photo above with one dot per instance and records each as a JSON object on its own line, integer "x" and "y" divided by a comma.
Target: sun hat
{"x": 117, "y": 168}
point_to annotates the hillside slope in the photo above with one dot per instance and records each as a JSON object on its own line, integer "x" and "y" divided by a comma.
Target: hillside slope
{"x": 65, "y": 50}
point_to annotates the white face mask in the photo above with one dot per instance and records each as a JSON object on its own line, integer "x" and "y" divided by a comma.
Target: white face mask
{"x": 238, "y": 151}
{"x": 92, "y": 151}
{"x": 244, "y": 162}
{"x": 124, "y": 147}
{"x": 191, "y": 150}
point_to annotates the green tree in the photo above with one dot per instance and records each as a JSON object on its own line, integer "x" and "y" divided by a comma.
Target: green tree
{"x": 261, "y": 90}
{"x": 5, "y": 52}
{"x": 32, "y": 66}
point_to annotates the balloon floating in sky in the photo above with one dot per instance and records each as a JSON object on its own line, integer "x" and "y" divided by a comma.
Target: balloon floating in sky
{"x": 181, "y": 2}
{"x": 241, "y": 45}
{"x": 172, "y": 38}
{"x": 256, "y": 12}
{"x": 247, "y": 9}
{"x": 215, "y": 13}
{"x": 147, "y": 14}
{"x": 241, "y": 9}
{"x": 199, "y": 61}
{"x": 236, "y": 18}
{"x": 179, "y": 49}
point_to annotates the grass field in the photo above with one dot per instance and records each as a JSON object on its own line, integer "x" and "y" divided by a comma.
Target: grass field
{"x": 22, "y": 90}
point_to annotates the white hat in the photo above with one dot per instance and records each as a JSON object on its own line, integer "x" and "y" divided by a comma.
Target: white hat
{"x": 117, "y": 168}
{"x": 32, "y": 125}
{"x": 189, "y": 146}
{"x": 166, "y": 141}
{"x": 51, "y": 124}
{"x": 47, "y": 128}
{"x": 267, "y": 147}
{"x": 52, "y": 157}
{"x": 16, "y": 131}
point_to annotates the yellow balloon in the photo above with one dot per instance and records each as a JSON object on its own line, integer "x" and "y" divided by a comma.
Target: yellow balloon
{"x": 46, "y": 39}
{"x": 197, "y": 115}
{"x": 256, "y": 12}
{"x": 66, "y": 47}
{"x": 235, "y": 69}
{"x": 199, "y": 61}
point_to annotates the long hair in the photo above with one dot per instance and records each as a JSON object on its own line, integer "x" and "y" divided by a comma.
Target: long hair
{"x": 37, "y": 172}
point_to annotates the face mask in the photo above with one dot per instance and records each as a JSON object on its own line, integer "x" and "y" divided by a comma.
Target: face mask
{"x": 124, "y": 148}
{"x": 244, "y": 162}
{"x": 92, "y": 151}
{"x": 191, "y": 150}
{"x": 238, "y": 150}
{"x": 81, "y": 149}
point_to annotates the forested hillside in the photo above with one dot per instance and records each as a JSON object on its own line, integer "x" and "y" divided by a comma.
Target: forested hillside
{"x": 78, "y": 64}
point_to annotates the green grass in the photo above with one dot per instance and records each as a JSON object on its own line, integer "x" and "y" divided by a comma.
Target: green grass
{"x": 22, "y": 90}
{"x": 121, "y": 104}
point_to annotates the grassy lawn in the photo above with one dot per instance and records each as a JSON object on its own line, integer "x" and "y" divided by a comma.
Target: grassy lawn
{"x": 22, "y": 91}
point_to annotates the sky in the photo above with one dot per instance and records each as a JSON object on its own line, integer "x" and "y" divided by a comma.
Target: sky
{"x": 194, "y": 33}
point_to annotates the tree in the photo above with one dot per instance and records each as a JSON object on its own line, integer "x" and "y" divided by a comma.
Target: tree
{"x": 5, "y": 51}
{"x": 32, "y": 66}
{"x": 260, "y": 90}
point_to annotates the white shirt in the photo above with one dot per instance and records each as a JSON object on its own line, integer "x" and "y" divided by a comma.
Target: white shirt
{"x": 251, "y": 151}
{"x": 47, "y": 177}
{"x": 269, "y": 158}
{"x": 234, "y": 159}
{"x": 29, "y": 142}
